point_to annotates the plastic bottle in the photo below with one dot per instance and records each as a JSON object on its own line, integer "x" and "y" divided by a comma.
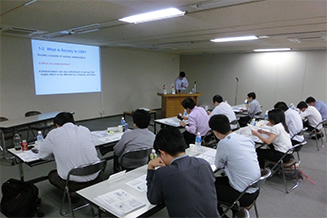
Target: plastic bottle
{"x": 194, "y": 87}
{"x": 253, "y": 122}
{"x": 153, "y": 155}
{"x": 266, "y": 118}
{"x": 122, "y": 122}
{"x": 173, "y": 89}
{"x": 292, "y": 106}
{"x": 126, "y": 126}
{"x": 245, "y": 103}
{"x": 39, "y": 138}
{"x": 17, "y": 141}
{"x": 185, "y": 113}
{"x": 164, "y": 89}
{"x": 198, "y": 141}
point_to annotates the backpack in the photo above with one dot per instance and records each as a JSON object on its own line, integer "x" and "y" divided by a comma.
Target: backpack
{"x": 19, "y": 199}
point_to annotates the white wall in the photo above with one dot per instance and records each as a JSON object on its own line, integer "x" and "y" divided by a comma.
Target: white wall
{"x": 130, "y": 79}
{"x": 279, "y": 76}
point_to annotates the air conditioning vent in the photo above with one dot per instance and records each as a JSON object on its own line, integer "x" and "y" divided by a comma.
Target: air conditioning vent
{"x": 20, "y": 31}
{"x": 307, "y": 39}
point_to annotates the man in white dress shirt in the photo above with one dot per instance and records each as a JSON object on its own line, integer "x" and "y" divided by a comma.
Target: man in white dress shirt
{"x": 313, "y": 118}
{"x": 293, "y": 122}
{"x": 224, "y": 108}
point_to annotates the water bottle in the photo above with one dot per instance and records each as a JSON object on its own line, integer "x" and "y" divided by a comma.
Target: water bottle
{"x": 126, "y": 127}
{"x": 185, "y": 113}
{"x": 173, "y": 89}
{"x": 292, "y": 106}
{"x": 266, "y": 118}
{"x": 253, "y": 122}
{"x": 17, "y": 141}
{"x": 194, "y": 87}
{"x": 39, "y": 138}
{"x": 164, "y": 89}
{"x": 198, "y": 141}
{"x": 153, "y": 155}
{"x": 245, "y": 103}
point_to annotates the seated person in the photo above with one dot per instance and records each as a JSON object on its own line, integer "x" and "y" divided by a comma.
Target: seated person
{"x": 253, "y": 107}
{"x": 185, "y": 184}
{"x": 313, "y": 118}
{"x": 293, "y": 121}
{"x": 197, "y": 121}
{"x": 279, "y": 140}
{"x": 319, "y": 105}
{"x": 71, "y": 146}
{"x": 224, "y": 108}
{"x": 139, "y": 138}
{"x": 237, "y": 156}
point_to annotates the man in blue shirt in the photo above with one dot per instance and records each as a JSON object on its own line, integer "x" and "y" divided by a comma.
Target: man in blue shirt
{"x": 181, "y": 82}
{"x": 253, "y": 107}
{"x": 185, "y": 184}
{"x": 320, "y": 105}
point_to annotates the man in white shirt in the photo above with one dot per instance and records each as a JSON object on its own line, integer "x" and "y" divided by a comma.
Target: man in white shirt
{"x": 224, "y": 108}
{"x": 293, "y": 122}
{"x": 181, "y": 82}
{"x": 71, "y": 146}
{"x": 236, "y": 154}
{"x": 313, "y": 117}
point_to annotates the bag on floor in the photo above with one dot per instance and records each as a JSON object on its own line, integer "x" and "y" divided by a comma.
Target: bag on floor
{"x": 19, "y": 199}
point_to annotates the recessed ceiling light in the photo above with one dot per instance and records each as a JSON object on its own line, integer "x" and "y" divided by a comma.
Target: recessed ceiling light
{"x": 271, "y": 49}
{"x": 230, "y": 39}
{"x": 154, "y": 15}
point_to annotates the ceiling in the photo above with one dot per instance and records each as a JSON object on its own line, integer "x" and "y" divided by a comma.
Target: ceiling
{"x": 297, "y": 24}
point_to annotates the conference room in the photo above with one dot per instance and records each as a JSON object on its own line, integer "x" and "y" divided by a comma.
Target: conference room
{"x": 131, "y": 63}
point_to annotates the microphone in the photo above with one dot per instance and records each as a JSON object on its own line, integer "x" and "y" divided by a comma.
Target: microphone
{"x": 236, "y": 79}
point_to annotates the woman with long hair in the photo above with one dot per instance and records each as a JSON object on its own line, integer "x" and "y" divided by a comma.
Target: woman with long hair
{"x": 278, "y": 139}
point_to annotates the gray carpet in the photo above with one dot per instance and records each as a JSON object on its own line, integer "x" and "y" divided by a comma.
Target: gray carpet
{"x": 308, "y": 200}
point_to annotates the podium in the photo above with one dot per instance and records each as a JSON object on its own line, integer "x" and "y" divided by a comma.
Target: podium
{"x": 171, "y": 105}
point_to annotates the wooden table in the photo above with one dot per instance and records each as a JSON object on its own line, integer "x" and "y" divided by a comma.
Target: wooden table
{"x": 171, "y": 104}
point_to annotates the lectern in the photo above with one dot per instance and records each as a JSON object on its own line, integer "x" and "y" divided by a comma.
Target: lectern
{"x": 171, "y": 104}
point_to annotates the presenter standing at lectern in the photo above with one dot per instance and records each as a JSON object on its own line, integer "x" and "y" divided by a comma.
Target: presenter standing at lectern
{"x": 181, "y": 82}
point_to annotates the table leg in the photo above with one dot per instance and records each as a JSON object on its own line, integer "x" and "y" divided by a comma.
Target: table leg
{"x": 3, "y": 142}
{"x": 20, "y": 169}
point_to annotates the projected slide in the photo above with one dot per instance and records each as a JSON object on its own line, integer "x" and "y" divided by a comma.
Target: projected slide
{"x": 61, "y": 68}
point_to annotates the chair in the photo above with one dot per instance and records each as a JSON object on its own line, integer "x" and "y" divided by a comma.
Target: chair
{"x": 235, "y": 122}
{"x": 257, "y": 115}
{"x": 209, "y": 140}
{"x": 135, "y": 158}
{"x": 83, "y": 170}
{"x": 44, "y": 126}
{"x": 297, "y": 150}
{"x": 292, "y": 164}
{"x": 315, "y": 131}
{"x": 265, "y": 173}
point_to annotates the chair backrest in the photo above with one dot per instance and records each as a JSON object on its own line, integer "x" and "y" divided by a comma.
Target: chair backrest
{"x": 234, "y": 122}
{"x": 32, "y": 113}
{"x": 88, "y": 169}
{"x": 301, "y": 132}
{"x": 137, "y": 156}
{"x": 3, "y": 119}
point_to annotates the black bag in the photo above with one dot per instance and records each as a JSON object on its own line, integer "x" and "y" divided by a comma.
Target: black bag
{"x": 20, "y": 199}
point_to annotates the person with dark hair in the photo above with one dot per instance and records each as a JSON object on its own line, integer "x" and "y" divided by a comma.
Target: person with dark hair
{"x": 184, "y": 184}
{"x": 197, "y": 121}
{"x": 139, "y": 138}
{"x": 293, "y": 121}
{"x": 237, "y": 156}
{"x": 253, "y": 107}
{"x": 224, "y": 108}
{"x": 278, "y": 138}
{"x": 313, "y": 118}
{"x": 71, "y": 146}
{"x": 319, "y": 105}
{"x": 181, "y": 82}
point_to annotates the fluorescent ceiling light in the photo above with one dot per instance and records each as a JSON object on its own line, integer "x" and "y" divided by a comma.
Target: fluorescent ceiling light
{"x": 220, "y": 3}
{"x": 272, "y": 49}
{"x": 154, "y": 15}
{"x": 230, "y": 39}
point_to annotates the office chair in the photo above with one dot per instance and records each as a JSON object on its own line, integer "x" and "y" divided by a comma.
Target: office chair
{"x": 265, "y": 173}
{"x": 43, "y": 127}
{"x": 291, "y": 165}
{"x": 297, "y": 150}
{"x": 257, "y": 115}
{"x": 315, "y": 131}
{"x": 83, "y": 170}
{"x": 136, "y": 158}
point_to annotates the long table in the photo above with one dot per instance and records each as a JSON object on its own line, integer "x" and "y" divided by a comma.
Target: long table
{"x": 134, "y": 183}
{"x": 23, "y": 122}
{"x": 100, "y": 138}
{"x": 170, "y": 121}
